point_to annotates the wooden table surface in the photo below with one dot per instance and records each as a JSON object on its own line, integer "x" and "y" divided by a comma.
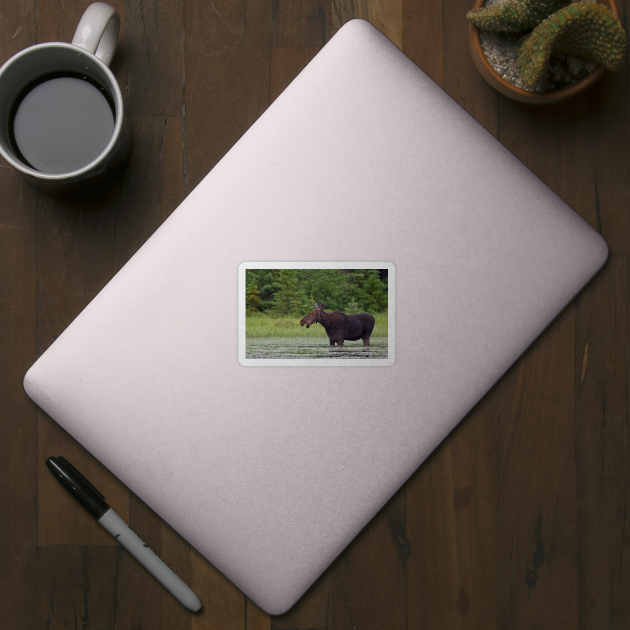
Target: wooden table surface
{"x": 518, "y": 520}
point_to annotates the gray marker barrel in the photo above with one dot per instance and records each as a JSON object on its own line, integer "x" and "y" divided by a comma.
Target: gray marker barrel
{"x": 149, "y": 559}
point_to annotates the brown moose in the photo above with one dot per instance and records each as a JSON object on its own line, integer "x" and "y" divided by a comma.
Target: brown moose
{"x": 341, "y": 327}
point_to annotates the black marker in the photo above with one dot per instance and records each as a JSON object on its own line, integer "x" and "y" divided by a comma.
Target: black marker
{"x": 94, "y": 502}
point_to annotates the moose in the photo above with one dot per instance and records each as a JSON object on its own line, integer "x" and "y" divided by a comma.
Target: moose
{"x": 341, "y": 327}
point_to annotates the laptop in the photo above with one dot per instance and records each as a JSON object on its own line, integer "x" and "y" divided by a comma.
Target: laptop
{"x": 270, "y": 464}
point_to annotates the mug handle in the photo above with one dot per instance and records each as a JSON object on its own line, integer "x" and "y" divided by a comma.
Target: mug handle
{"x": 98, "y": 30}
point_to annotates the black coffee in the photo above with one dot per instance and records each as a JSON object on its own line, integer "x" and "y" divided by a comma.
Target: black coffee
{"x": 61, "y": 123}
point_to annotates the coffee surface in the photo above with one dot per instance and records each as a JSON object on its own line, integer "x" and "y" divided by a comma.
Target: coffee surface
{"x": 62, "y": 124}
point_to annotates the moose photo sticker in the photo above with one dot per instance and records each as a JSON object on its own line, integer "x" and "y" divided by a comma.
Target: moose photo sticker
{"x": 308, "y": 314}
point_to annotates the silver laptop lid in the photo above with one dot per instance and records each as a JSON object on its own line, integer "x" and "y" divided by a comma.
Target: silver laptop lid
{"x": 271, "y": 470}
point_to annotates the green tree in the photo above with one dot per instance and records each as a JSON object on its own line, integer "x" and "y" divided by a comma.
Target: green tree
{"x": 352, "y": 308}
{"x": 253, "y": 303}
{"x": 289, "y": 299}
{"x": 266, "y": 281}
{"x": 328, "y": 285}
{"x": 372, "y": 291}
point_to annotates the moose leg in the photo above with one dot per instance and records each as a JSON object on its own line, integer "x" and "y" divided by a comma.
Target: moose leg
{"x": 366, "y": 340}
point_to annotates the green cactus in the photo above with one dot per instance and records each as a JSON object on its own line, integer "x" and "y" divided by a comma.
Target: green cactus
{"x": 584, "y": 29}
{"x": 513, "y": 16}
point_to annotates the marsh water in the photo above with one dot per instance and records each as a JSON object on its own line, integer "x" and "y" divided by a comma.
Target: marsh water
{"x": 309, "y": 348}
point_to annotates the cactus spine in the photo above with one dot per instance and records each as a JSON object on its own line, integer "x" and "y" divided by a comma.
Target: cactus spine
{"x": 583, "y": 29}
{"x": 513, "y": 16}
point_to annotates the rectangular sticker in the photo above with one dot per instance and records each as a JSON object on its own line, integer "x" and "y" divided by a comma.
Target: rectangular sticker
{"x": 316, "y": 314}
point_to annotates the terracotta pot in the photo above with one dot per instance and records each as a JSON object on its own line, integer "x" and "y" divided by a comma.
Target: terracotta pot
{"x": 518, "y": 94}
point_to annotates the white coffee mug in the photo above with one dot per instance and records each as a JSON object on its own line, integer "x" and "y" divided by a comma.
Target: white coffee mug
{"x": 62, "y": 114}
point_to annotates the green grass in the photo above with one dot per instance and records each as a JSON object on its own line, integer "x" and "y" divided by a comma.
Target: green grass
{"x": 260, "y": 325}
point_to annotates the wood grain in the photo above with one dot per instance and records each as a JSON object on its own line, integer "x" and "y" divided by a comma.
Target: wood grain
{"x": 452, "y": 516}
{"x": 18, "y": 416}
{"x": 151, "y": 605}
{"x": 574, "y": 150}
{"x": 224, "y": 606}
{"x": 602, "y": 380}
{"x": 154, "y": 57}
{"x": 537, "y": 536}
{"x": 609, "y": 134}
{"x": 369, "y": 577}
{"x": 461, "y": 79}
{"x": 151, "y": 187}
{"x": 313, "y": 610}
{"x": 57, "y": 22}
{"x": 226, "y": 78}
{"x": 386, "y": 15}
{"x": 300, "y": 23}
{"x": 285, "y": 64}
{"x": 76, "y": 587}
{"x": 422, "y": 36}
{"x": 60, "y": 520}
{"x": 519, "y": 519}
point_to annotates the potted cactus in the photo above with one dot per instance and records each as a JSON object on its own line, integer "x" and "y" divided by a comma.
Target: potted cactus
{"x": 558, "y": 49}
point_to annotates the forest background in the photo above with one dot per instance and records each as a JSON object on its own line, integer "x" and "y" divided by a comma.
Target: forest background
{"x": 276, "y": 299}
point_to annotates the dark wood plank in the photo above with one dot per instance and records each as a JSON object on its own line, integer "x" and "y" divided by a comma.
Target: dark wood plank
{"x": 154, "y": 57}
{"x": 422, "y": 36}
{"x": 76, "y": 587}
{"x": 558, "y": 147}
{"x": 226, "y": 78}
{"x": 608, "y": 128}
{"x": 537, "y": 537}
{"x": 300, "y": 23}
{"x": 386, "y": 15}
{"x": 285, "y": 64}
{"x": 55, "y": 23}
{"x": 224, "y": 606}
{"x": 603, "y": 443}
{"x": 18, "y": 422}
{"x": 608, "y": 125}
{"x": 570, "y": 146}
{"x": 142, "y": 600}
{"x": 369, "y": 577}
{"x": 256, "y": 618}
{"x": 18, "y": 416}
{"x": 171, "y": 159}
{"x": 17, "y": 28}
{"x": 576, "y": 148}
{"x": 313, "y": 610}
{"x": 152, "y": 185}
{"x": 452, "y": 527}
{"x": 60, "y": 519}
{"x": 461, "y": 78}
{"x": 74, "y": 248}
